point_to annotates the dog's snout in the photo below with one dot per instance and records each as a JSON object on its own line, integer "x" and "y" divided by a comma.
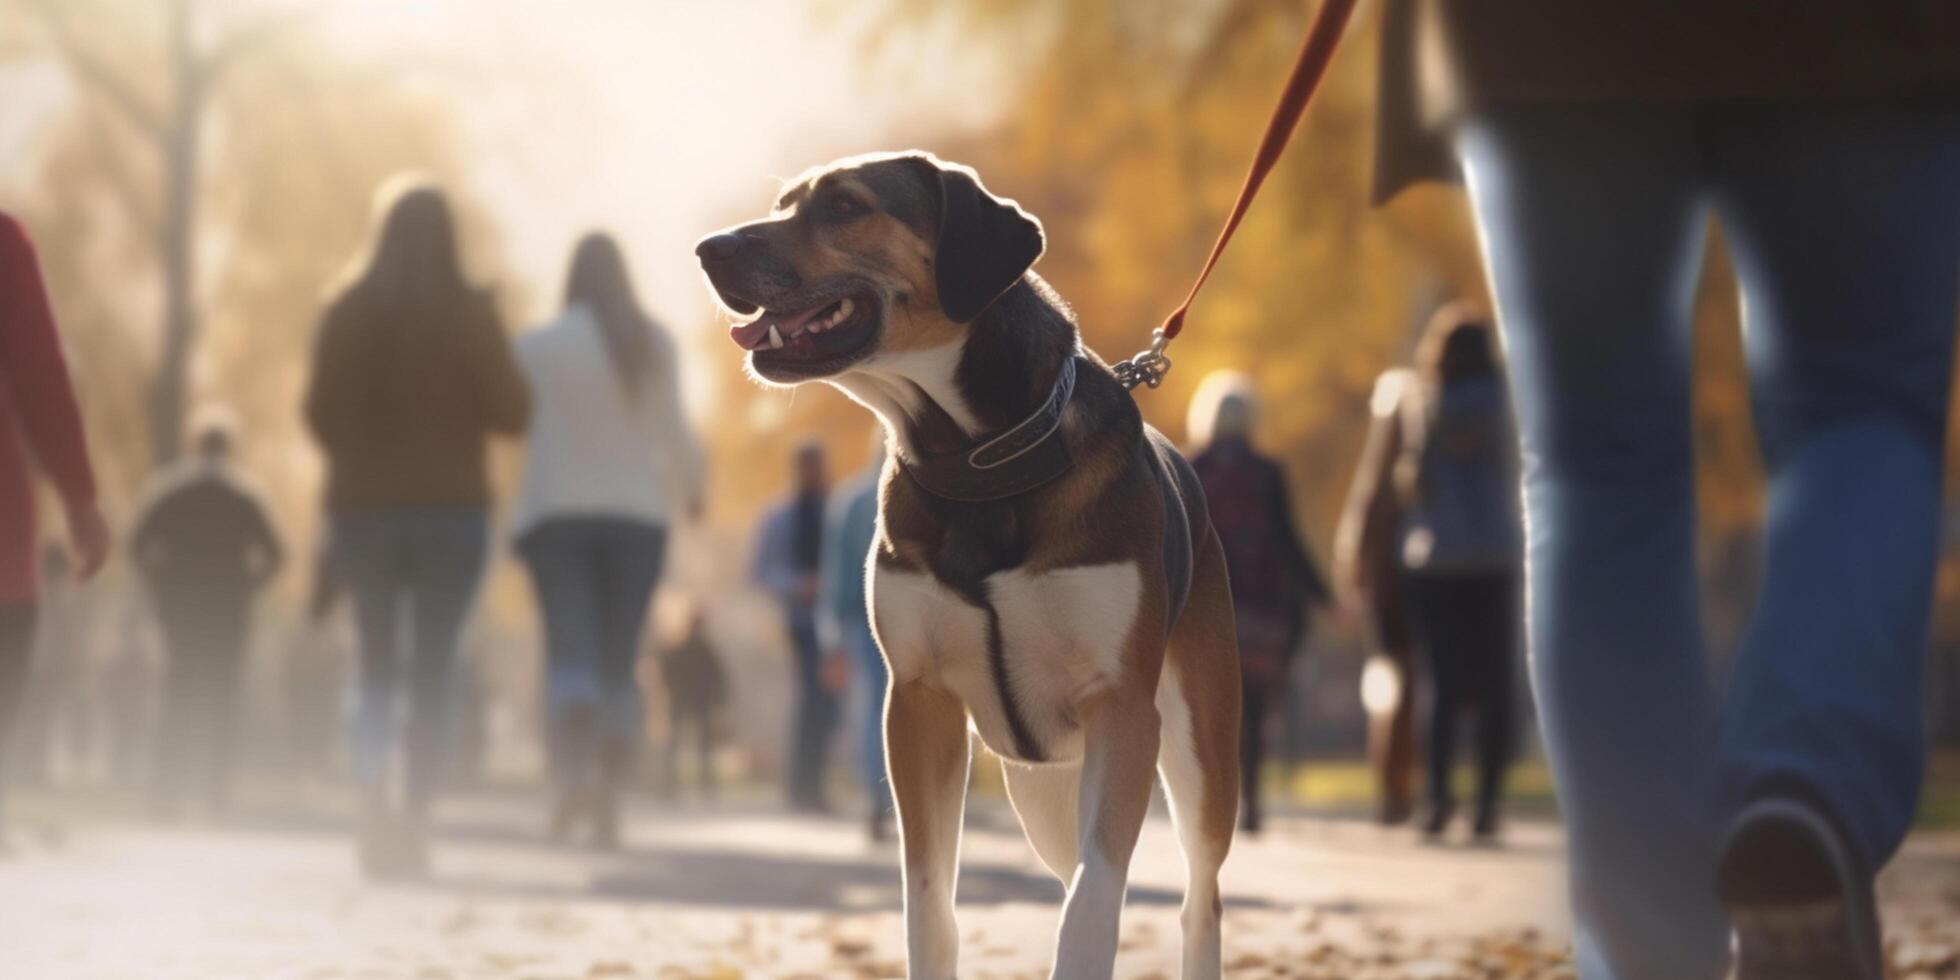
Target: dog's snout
{"x": 720, "y": 248}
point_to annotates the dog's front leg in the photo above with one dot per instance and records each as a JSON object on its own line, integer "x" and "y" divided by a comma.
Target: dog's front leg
{"x": 1118, "y": 768}
{"x": 927, "y": 755}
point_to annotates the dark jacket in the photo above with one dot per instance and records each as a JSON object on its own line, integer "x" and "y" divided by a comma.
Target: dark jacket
{"x": 404, "y": 410}
{"x": 1443, "y": 59}
{"x": 204, "y": 534}
{"x": 1273, "y": 578}
{"x": 696, "y": 681}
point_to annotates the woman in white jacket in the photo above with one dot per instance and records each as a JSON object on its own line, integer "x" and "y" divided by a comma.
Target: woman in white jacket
{"x": 611, "y": 461}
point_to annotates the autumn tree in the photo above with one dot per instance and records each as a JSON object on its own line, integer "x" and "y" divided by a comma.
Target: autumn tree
{"x": 1127, "y": 126}
{"x": 159, "y": 73}
{"x": 291, "y": 152}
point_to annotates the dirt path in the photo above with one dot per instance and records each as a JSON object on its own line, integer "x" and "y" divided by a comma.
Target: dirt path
{"x": 746, "y": 894}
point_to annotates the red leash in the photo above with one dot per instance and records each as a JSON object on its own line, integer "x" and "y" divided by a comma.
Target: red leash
{"x": 1150, "y": 366}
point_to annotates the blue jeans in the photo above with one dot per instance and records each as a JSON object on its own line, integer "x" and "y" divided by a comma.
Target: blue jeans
{"x": 1844, "y": 228}
{"x": 594, "y": 577}
{"x": 422, "y": 564}
{"x": 816, "y": 712}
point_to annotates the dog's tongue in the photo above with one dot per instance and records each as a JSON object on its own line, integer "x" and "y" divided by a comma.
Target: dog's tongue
{"x": 752, "y": 334}
{"x": 755, "y": 333}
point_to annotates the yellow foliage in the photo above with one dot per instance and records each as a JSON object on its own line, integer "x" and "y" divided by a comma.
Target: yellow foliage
{"x": 1128, "y": 134}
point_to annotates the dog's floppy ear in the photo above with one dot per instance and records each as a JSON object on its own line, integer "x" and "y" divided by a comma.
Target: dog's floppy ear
{"x": 986, "y": 244}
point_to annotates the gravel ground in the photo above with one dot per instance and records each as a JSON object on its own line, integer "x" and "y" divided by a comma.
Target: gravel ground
{"x": 741, "y": 893}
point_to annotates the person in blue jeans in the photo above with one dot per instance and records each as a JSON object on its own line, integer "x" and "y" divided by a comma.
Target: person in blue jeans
{"x": 844, "y": 622}
{"x": 1597, "y": 142}
{"x": 411, "y": 376}
{"x": 788, "y": 564}
{"x": 610, "y": 465}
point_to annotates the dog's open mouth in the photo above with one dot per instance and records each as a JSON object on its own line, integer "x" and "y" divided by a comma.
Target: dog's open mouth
{"x": 816, "y": 339}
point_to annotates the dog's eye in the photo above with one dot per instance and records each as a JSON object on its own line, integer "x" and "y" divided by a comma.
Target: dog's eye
{"x": 842, "y": 207}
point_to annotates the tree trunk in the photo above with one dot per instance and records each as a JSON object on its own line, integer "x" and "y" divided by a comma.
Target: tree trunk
{"x": 170, "y": 389}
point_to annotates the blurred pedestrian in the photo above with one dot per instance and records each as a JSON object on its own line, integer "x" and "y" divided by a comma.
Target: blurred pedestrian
{"x": 1598, "y": 140}
{"x": 1369, "y": 575}
{"x": 844, "y": 621}
{"x": 612, "y": 466}
{"x": 1275, "y": 582}
{"x": 697, "y": 689}
{"x": 205, "y": 549}
{"x": 40, "y": 430}
{"x": 411, "y": 375}
{"x": 1462, "y": 549}
{"x": 787, "y": 564}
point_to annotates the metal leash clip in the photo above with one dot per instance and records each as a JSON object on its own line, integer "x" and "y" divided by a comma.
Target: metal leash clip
{"x": 1147, "y": 367}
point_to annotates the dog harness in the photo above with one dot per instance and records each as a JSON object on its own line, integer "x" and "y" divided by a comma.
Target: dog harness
{"x": 1012, "y": 463}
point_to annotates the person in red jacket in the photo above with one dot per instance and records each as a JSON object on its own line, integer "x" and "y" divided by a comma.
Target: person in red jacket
{"x": 40, "y": 429}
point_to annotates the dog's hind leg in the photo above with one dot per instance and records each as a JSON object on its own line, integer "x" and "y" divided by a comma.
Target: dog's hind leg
{"x": 1119, "y": 748}
{"x": 1044, "y": 799}
{"x": 1198, "y": 698}
{"x": 927, "y": 755}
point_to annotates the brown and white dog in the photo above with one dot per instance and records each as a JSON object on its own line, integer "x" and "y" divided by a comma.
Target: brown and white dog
{"x": 1045, "y": 570}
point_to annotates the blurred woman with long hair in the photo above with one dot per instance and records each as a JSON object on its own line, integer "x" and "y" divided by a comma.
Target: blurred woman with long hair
{"x": 1463, "y": 549}
{"x": 1274, "y": 579}
{"x": 411, "y": 375}
{"x": 611, "y": 462}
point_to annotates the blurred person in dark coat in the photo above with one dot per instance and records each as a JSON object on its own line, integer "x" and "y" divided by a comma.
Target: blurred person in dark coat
{"x": 205, "y": 549}
{"x": 1275, "y": 582}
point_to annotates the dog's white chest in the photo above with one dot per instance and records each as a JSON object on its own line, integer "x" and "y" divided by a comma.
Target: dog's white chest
{"x": 1021, "y": 650}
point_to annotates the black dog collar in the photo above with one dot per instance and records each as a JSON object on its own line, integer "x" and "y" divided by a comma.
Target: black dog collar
{"x": 1014, "y": 462}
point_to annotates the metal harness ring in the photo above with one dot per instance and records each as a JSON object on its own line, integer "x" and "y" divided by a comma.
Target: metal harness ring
{"x": 1146, "y": 367}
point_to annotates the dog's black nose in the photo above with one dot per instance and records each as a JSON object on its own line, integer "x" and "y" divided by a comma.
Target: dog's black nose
{"x": 720, "y": 248}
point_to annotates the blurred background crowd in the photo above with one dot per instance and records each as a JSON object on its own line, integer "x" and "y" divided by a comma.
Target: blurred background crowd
{"x": 214, "y": 189}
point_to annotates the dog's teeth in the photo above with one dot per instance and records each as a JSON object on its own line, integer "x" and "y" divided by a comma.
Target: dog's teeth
{"x": 775, "y": 338}
{"x": 843, "y": 310}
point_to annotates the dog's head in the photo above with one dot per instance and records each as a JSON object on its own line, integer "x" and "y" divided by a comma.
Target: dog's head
{"x": 867, "y": 256}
